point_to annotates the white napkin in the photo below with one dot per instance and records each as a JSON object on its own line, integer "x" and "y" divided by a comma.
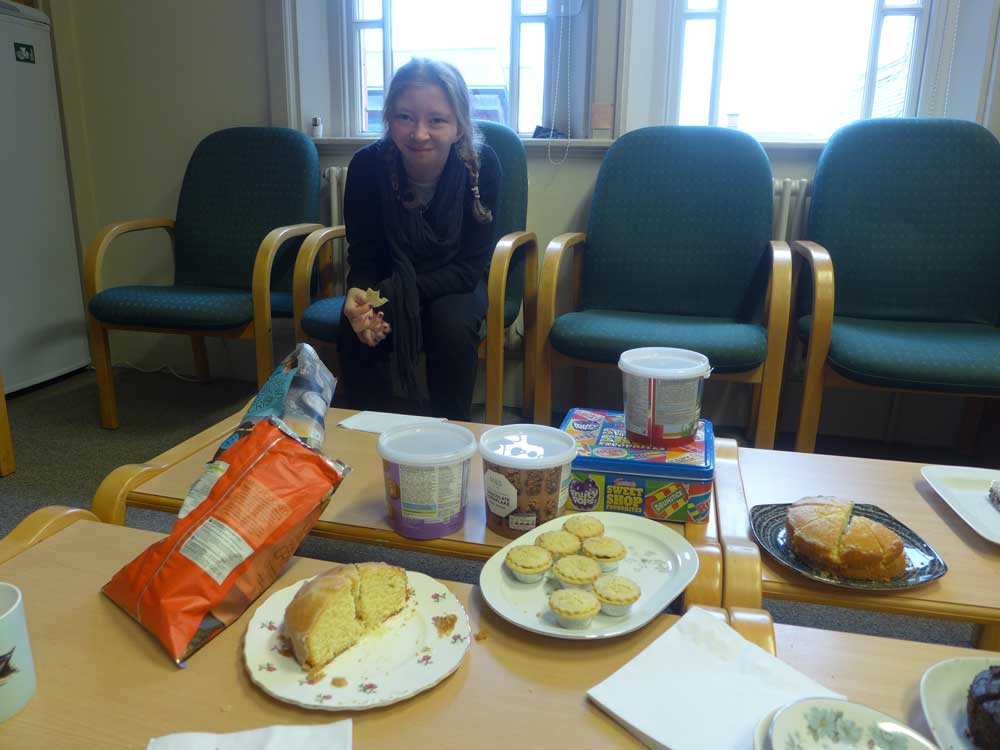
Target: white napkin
{"x": 380, "y": 421}
{"x": 701, "y": 685}
{"x": 336, "y": 736}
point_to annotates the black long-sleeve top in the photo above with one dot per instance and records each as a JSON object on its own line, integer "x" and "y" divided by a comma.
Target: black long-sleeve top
{"x": 368, "y": 251}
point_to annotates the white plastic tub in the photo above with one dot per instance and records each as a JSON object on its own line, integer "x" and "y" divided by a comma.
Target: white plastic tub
{"x": 526, "y": 471}
{"x": 662, "y": 388}
{"x": 426, "y": 469}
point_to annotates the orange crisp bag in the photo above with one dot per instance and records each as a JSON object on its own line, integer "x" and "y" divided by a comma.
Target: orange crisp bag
{"x": 230, "y": 547}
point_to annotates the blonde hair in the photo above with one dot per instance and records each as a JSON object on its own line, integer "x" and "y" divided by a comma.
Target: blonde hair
{"x": 427, "y": 72}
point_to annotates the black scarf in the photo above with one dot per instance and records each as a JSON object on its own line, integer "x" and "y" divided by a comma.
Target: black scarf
{"x": 420, "y": 241}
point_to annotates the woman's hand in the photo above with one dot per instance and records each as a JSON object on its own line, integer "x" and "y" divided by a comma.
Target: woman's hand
{"x": 370, "y": 328}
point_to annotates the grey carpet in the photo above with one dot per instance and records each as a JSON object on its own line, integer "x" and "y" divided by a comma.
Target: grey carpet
{"x": 62, "y": 455}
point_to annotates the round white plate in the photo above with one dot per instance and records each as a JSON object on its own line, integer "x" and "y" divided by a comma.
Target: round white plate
{"x": 405, "y": 657}
{"x": 760, "y": 739}
{"x": 830, "y": 724}
{"x": 659, "y": 559}
{"x": 943, "y": 692}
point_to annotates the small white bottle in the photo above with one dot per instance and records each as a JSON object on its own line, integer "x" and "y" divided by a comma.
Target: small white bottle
{"x": 317, "y": 127}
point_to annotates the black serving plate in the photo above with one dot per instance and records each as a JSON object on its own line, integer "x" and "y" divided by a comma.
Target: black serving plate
{"x": 923, "y": 564}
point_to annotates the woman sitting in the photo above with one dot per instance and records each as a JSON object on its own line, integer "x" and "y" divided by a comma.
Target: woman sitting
{"x": 419, "y": 211}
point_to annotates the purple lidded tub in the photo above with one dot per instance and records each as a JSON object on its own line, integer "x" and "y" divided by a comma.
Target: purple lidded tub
{"x": 426, "y": 468}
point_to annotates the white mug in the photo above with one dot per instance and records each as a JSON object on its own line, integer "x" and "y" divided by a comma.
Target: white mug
{"x": 17, "y": 669}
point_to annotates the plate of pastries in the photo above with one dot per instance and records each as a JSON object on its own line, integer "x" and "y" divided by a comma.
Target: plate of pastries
{"x": 356, "y": 637}
{"x": 847, "y": 544}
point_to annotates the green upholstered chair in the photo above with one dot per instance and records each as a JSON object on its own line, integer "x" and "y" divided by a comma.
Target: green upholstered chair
{"x": 906, "y": 212}
{"x": 511, "y": 276}
{"x": 678, "y": 254}
{"x": 246, "y": 192}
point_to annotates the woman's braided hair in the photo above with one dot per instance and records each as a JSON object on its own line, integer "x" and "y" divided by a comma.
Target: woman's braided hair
{"x": 424, "y": 72}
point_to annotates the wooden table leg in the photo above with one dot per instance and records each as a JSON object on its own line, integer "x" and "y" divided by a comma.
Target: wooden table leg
{"x": 6, "y": 442}
{"x": 989, "y": 637}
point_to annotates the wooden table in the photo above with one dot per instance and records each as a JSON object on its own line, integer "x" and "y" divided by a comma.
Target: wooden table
{"x": 358, "y": 511}
{"x": 103, "y": 682}
{"x": 968, "y": 592}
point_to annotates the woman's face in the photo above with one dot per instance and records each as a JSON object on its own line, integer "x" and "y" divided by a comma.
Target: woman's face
{"x": 423, "y": 127}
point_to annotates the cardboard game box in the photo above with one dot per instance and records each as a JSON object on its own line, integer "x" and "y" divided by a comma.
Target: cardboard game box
{"x": 610, "y": 473}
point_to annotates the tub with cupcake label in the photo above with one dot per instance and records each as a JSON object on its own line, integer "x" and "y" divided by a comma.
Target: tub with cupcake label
{"x": 612, "y": 473}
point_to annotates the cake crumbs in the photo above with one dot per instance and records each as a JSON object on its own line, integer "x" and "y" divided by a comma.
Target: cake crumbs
{"x": 339, "y": 682}
{"x": 313, "y": 677}
{"x": 445, "y": 624}
{"x": 480, "y": 636}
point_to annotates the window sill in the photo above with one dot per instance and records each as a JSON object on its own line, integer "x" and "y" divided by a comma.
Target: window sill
{"x": 587, "y": 148}
{"x": 583, "y": 148}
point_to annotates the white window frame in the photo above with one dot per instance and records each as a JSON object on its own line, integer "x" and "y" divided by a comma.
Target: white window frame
{"x": 955, "y": 75}
{"x": 355, "y": 26}
{"x": 919, "y": 11}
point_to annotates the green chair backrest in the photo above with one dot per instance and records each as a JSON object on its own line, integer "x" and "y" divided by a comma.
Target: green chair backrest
{"x": 511, "y": 214}
{"x": 239, "y": 185}
{"x": 680, "y": 223}
{"x": 909, "y": 210}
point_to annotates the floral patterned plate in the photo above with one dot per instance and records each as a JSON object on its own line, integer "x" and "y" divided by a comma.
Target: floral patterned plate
{"x": 829, "y": 724}
{"x": 659, "y": 559}
{"x": 408, "y": 655}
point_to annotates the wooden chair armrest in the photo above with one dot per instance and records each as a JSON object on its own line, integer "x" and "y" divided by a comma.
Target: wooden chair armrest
{"x": 706, "y": 588}
{"x": 302, "y": 278}
{"x": 261, "y": 289}
{"x": 496, "y": 288}
{"x": 779, "y": 300}
{"x": 821, "y": 271}
{"x": 548, "y": 279}
{"x": 94, "y": 261}
{"x": 39, "y": 526}
{"x": 755, "y": 625}
{"x": 742, "y": 586}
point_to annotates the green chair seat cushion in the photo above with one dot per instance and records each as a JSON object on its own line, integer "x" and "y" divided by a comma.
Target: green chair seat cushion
{"x": 947, "y": 357}
{"x": 180, "y": 307}
{"x": 602, "y": 335}
{"x": 321, "y": 319}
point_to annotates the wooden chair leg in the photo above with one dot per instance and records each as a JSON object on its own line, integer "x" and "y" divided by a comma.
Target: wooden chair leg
{"x": 755, "y": 391}
{"x": 767, "y": 410}
{"x": 543, "y": 386}
{"x": 200, "y": 353}
{"x": 6, "y": 442}
{"x": 100, "y": 352}
{"x": 528, "y": 377}
{"x": 265, "y": 357}
{"x": 494, "y": 381}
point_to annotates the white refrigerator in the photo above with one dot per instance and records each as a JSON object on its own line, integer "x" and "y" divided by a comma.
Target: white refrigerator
{"x": 42, "y": 325}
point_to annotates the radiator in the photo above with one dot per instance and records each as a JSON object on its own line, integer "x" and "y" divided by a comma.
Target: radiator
{"x": 336, "y": 180}
{"x": 791, "y": 207}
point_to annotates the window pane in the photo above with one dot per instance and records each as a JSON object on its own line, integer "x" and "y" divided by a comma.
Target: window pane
{"x": 531, "y": 78}
{"x": 902, "y": 3}
{"x": 794, "y": 69}
{"x": 368, "y": 10}
{"x": 702, "y": 4}
{"x": 894, "y": 52}
{"x": 477, "y": 43}
{"x": 372, "y": 87}
{"x": 534, "y": 7}
{"x": 696, "y": 73}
